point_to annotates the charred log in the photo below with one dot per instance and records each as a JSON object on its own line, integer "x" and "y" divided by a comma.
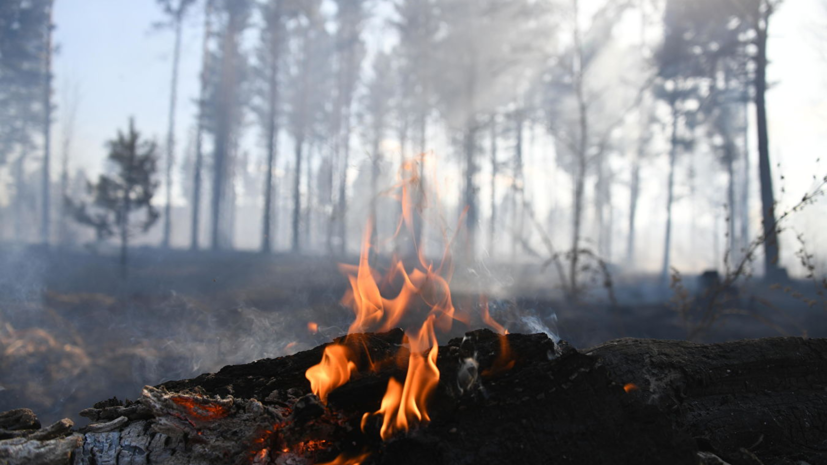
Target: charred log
{"x": 627, "y": 401}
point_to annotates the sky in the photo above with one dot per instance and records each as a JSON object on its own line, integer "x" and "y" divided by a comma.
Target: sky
{"x": 122, "y": 68}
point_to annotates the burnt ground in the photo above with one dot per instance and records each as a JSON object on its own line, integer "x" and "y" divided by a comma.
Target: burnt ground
{"x": 72, "y": 332}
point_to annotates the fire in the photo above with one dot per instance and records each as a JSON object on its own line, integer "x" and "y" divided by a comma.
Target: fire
{"x": 333, "y": 371}
{"x": 313, "y": 327}
{"x": 344, "y": 459}
{"x": 504, "y": 361}
{"x": 404, "y": 405}
{"x": 200, "y": 410}
{"x": 419, "y": 299}
{"x": 629, "y": 387}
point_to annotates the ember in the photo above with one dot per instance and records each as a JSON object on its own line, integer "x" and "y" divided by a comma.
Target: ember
{"x": 198, "y": 409}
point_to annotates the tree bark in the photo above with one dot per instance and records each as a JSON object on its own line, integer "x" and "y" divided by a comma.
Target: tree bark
{"x": 46, "y": 192}
{"x": 625, "y": 401}
{"x": 492, "y": 223}
{"x": 670, "y": 194}
{"x": 772, "y": 270}
{"x": 199, "y": 136}
{"x": 582, "y": 153}
{"x": 224, "y": 122}
{"x": 272, "y": 131}
{"x": 171, "y": 131}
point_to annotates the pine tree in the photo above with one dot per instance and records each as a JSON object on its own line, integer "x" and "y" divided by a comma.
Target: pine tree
{"x": 129, "y": 189}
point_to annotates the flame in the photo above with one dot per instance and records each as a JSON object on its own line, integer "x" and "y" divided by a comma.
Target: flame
{"x": 419, "y": 299}
{"x": 504, "y": 361}
{"x": 404, "y": 405}
{"x": 200, "y": 410}
{"x": 344, "y": 459}
{"x": 629, "y": 387}
{"x": 333, "y": 371}
{"x": 313, "y": 327}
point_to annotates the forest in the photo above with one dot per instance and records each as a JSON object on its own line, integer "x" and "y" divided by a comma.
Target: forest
{"x": 183, "y": 182}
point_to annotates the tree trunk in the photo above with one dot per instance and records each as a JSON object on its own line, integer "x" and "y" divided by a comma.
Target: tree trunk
{"x": 492, "y": 224}
{"x": 582, "y": 153}
{"x": 224, "y": 122}
{"x": 670, "y": 195}
{"x": 626, "y": 401}
{"x": 297, "y": 202}
{"x": 745, "y": 184}
{"x": 20, "y": 195}
{"x": 308, "y": 207}
{"x": 272, "y": 134}
{"x": 171, "y": 132}
{"x": 518, "y": 186}
{"x": 634, "y": 195}
{"x": 772, "y": 270}
{"x": 732, "y": 253}
{"x": 46, "y": 192}
{"x": 199, "y": 136}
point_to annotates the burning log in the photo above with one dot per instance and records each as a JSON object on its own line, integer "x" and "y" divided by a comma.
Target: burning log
{"x": 627, "y": 401}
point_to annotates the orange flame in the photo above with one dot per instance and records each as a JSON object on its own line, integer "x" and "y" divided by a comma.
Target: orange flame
{"x": 423, "y": 296}
{"x": 629, "y": 387}
{"x": 504, "y": 361}
{"x": 344, "y": 459}
{"x": 404, "y": 405}
{"x": 333, "y": 371}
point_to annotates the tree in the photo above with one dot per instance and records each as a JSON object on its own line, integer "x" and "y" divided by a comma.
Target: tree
{"x": 417, "y": 26}
{"x": 744, "y": 26}
{"x": 227, "y": 103}
{"x": 176, "y": 10}
{"x": 126, "y": 190}
{"x": 25, "y": 99}
{"x": 273, "y": 35}
{"x": 71, "y": 100}
{"x": 582, "y": 114}
{"x": 376, "y": 109}
{"x": 46, "y": 180}
{"x": 306, "y": 106}
{"x": 477, "y": 53}
{"x": 200, "y": 127}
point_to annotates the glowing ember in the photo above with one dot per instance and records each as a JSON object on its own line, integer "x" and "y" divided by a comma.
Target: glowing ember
{"x": 313, "y": 327}
{"x": 333, "y": 371}
{"x": 629, "y": 387}
{"x": 200, "y": 410}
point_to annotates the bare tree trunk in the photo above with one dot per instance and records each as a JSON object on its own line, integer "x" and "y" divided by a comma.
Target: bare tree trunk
{"x": 745, "y": 184}
{"x": 374, "y": 188}
{"x": 518, "y": 186}
{"x": 308, "y": 208}
{"x": 199, "y": 136}
{"x": 171, "y": 132}
{"x": 670, "y": 194}
{"x": 272, "y": 134}
{"x": 224, "y": 123}
{"x": 45, "y": 222}
{"x": 772, "y": 270}
{"x": 20, "y": 188}
{"x": 634, "y": 195}
{"x": 297, "y": 202}
{"x": 70, "y": 108}
{"x": 492, "y": 224}
{"x": 731, "y": 217}
{"x": 582, "y": 153}
{"x": 344, "y": 146}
